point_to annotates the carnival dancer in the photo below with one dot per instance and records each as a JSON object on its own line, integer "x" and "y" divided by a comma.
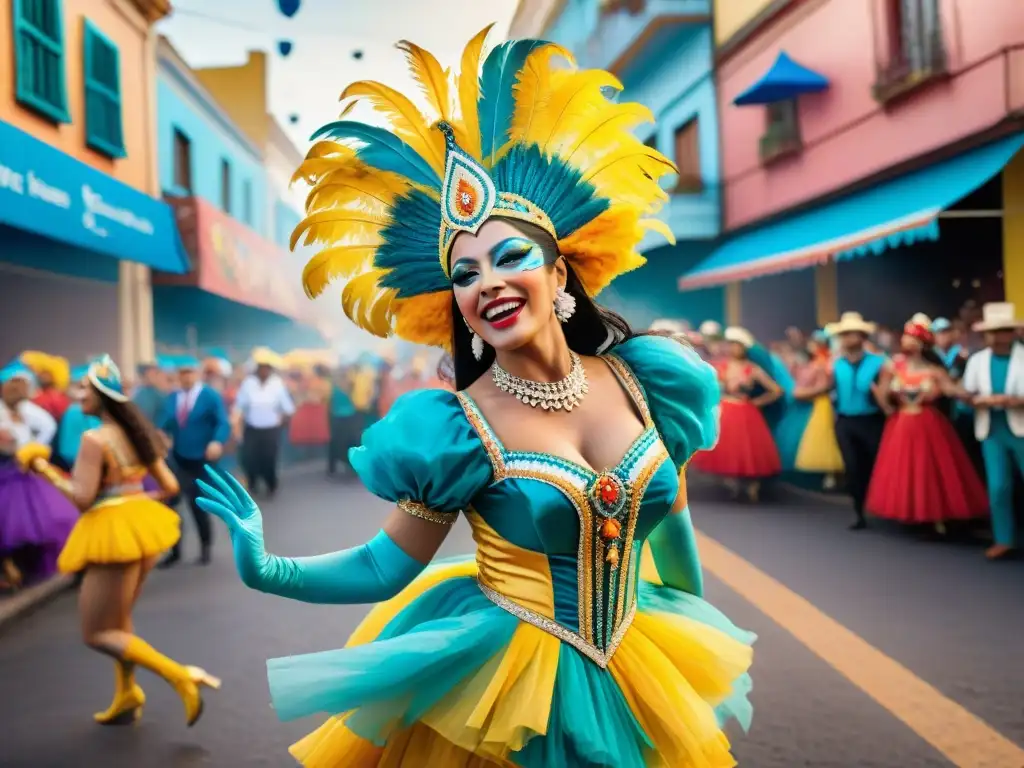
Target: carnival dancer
{"x": 35, "y": 519}
{"x": 76, "y": 422}
{"x": 860, "y": 382}
{"x": 746, "y": 452}
{"x": 52, "y": 377}
{"x": 711, "y": 334}
{"x": 995, "y": 378}
{"x": 922, "y": 473}
{"x": 544, "y": 650}
{"x": 818, "y": 450}
{"x": 310, "y": 426}
{"x": 196, "y": 422}
{"x": 262, "y": 409}
{"x": 117, "y": 540}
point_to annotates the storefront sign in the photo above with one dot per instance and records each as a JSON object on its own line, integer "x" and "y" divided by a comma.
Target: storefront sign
{"x": 236, "y": 263}
{"x": 45, "y": 191}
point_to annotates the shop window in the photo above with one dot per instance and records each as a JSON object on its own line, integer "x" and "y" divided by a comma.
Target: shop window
{"x": 225, "y": 186}
{"x": 912, "y": 49}
{"x": 39, "y": 58}
{"x": 102, "y": 70}
{"x": 782, "y": 131}
{"x": 687, "y": 146}
{"x": 182, "y": 163}
{"x": 247, "y": 201}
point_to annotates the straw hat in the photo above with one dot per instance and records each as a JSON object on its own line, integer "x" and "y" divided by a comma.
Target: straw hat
{"x": 740, "y": 336}
{"x": 998, "y": 316}
{"x": 265, "y": 356}
{"x": 850, "y": 322}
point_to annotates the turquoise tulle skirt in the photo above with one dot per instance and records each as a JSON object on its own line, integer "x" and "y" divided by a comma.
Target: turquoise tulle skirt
{"x": 440, "y": 675}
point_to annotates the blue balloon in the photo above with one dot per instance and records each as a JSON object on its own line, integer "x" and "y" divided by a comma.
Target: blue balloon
{"x": 284, "y": 46}
{"x": 288, "y": 7}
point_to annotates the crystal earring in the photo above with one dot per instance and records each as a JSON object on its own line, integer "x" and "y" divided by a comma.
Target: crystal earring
{"x": 476, "y": 344}
{"x": 565, "y": 305}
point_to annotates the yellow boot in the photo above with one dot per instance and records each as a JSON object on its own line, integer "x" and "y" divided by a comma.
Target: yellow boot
{"x": 185, "y": 680}
{"x": 129, "y": 698}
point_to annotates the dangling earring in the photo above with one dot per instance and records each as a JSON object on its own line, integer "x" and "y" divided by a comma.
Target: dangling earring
{"x": 476, "y": 345}
{"x": 565, "y": 305}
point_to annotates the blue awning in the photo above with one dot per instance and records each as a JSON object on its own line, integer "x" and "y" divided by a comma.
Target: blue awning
{"x": 889, "y": 215}
{"x": 785, "y": 80}
{"x": 45, "y": 191}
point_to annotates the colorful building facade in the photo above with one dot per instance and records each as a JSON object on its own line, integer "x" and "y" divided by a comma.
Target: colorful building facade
{"x": 80, "y": 222}
{"x": 662, "y": 52}
{"x": 241, "y": 290}
{"x": 901, "y": 133}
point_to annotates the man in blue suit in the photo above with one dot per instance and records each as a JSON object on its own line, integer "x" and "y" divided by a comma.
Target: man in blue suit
{"x": 196, "y": 422}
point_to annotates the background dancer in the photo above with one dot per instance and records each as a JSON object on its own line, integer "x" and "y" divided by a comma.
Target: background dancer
{"x": 117, "y": 539}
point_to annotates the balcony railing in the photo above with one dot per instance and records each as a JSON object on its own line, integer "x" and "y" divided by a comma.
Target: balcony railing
{"x": 920, "y": 52}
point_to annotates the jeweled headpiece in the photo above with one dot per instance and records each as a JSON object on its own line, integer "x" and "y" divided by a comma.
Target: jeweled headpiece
{"x": 106, "y": 377}
{"x": 522, "y": 137}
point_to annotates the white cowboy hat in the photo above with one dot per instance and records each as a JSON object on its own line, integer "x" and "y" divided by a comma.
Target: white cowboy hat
{"x": 850, "y": 322}
{"x": 998, "y": 316}
{"x": 666, "y": 326}
{"x": 709, "y": 329}
{"x": 921, "y": 319}
{"x": 740, "y": 336}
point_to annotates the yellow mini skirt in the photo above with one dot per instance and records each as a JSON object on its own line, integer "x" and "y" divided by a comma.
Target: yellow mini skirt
{"x": 122, "y": 529}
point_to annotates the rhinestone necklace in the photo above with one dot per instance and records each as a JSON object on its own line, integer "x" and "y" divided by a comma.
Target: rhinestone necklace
{"x": 551, "y": 396}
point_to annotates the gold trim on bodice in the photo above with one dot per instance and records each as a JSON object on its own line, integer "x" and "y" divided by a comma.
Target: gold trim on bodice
{"x": 607, "y": 504}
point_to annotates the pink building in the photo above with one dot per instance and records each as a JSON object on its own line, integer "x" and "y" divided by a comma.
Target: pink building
{"x": 853, "y": 104}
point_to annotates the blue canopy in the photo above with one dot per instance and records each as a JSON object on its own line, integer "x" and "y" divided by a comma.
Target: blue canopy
{"x": 785, "y": 80}
{"x": 54, "y": 195}
{"x": 888, "y": 215}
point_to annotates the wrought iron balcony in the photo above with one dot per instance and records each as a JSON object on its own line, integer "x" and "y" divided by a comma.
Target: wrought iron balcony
{"x": 919, "y": 53}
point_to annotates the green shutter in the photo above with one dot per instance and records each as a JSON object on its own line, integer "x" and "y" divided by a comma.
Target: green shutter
{"x": 104, "y": 131}
{"x": 39, "y": 58}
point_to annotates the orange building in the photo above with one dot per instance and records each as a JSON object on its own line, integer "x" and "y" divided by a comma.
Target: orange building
{"x": 79, "y": 225}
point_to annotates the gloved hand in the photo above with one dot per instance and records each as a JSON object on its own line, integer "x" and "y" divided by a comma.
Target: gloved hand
{"x": 224, "y": 497}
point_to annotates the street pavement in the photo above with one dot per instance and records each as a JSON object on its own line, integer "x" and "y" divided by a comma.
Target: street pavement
{"x": 939, "y": 612}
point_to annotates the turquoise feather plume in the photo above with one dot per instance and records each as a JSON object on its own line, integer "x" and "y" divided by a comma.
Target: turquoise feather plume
{"x": 497, "y": 100}
{"x": 383, "y": 150}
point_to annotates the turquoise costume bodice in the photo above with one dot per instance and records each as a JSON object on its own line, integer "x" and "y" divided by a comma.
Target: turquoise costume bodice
{"x": 558, "y": 544}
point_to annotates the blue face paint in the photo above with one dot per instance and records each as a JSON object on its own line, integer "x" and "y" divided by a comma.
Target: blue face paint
{"x": 512, "y": 255}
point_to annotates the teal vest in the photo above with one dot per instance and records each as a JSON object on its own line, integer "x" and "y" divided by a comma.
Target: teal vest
{"x": 853, "y": 385}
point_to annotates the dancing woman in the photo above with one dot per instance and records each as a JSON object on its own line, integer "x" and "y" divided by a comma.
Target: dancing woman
{"x": 746, "y": 452}
{"x": 818, "y": 450}
{"x": 567, "y": 640}
{"x": 118, "y": 539}
{"x": 923, "y": 474}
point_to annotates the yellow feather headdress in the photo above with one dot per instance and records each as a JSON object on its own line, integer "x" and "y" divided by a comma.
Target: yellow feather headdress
{"x": 525, "y": 135}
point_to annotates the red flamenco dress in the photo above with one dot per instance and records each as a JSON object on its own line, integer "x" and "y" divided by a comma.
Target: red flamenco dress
{"x": 923, "y": 474}
{"x": 746, "y": 449}
{"x": 311, "y": 423}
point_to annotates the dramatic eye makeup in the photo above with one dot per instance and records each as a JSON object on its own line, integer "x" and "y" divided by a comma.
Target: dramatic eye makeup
{"x": 517, "y": 254}
{"x": 464, "y": 272}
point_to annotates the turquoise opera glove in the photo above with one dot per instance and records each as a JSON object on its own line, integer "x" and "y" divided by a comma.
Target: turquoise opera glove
{"x": 674, "y": 547}
{"x": 368, "y": 573}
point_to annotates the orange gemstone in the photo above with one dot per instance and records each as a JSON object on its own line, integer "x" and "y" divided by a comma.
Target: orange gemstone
{"x": 610, "y": 529}
{"x": 465, "y": 198}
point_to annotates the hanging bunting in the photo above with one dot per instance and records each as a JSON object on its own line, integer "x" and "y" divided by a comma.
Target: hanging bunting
{"x": 288, "y": 7}
{"x": 284, "y": 47}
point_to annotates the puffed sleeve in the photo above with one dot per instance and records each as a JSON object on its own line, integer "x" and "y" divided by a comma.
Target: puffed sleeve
{"x": 682, "y": 392}
{"x": 424, "y": 456}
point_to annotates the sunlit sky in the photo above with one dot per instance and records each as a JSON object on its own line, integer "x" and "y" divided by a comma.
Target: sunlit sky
{"x": 324, "y": 34}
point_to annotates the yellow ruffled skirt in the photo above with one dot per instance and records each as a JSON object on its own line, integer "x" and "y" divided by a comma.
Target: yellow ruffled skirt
{"x": 819, "y": 450}
{"x": 440, "y": 676}
{"x": 123, "y": 529}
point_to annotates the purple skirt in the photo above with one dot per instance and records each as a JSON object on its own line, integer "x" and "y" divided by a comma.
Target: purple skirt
{"x": 33, "y": 514}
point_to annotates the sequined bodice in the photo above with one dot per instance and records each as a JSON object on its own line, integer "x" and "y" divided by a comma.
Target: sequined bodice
{"x": 559, "y": 544}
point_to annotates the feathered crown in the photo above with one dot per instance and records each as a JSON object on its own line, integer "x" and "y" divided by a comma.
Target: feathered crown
{"x": 106, "y": 377}
{"x": 522, "y": 137}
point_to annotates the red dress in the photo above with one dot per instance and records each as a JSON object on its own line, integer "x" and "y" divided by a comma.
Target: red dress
{"x": 745, "y": 448}
{"x": 923, "y": 473}
{"x": 311, "y": 423}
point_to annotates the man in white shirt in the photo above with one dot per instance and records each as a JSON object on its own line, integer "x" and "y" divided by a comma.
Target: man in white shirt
{"x": 262, "y": 408}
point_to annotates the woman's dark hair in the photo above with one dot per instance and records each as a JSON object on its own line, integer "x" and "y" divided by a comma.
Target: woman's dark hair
{"x": 142, "y": 435}
{"x": 587, "y": 332}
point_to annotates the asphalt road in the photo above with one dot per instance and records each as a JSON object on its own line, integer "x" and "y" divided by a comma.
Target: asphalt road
{"x": 940, "y": 610}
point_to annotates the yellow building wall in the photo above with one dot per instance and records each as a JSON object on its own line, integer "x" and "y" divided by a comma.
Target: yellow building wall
{"x": 731, "y": 15}
{"x": 1013, "y": 231}
{"x": 242, "y": 92}
{"x": 125, "y": 26}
